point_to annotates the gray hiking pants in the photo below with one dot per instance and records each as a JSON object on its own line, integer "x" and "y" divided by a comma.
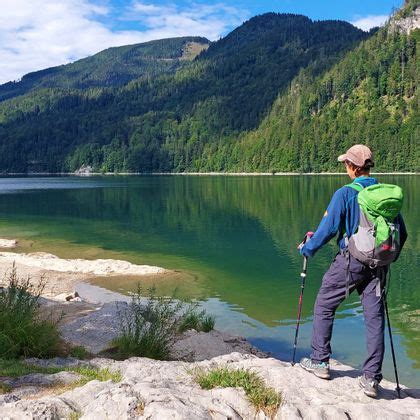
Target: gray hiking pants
{"x": 332, "y": 293}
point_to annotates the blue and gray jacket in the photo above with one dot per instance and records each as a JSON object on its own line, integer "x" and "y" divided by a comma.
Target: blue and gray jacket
{"x": 342, "y": 216}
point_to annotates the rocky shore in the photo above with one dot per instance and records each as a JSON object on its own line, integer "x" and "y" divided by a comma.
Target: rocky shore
{"x": 150, "y": 389}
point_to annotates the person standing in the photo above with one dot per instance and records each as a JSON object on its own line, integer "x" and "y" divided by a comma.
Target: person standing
{"x": 347, "y": 274}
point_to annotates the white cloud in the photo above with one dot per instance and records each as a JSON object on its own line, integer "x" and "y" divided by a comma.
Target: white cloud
{"x": 211, "y": 20}
{"x": 370, "y": 21}
{"x": 36, "y": 34}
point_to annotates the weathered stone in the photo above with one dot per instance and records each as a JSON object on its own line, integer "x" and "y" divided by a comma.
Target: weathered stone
{"x": 43, "y": 380}
{"x": 96, "y": 330}
{"x": 406, "y": 24}
{"x": 56, "y": 362}
{"x": 159, "y": 390}
{"x": 197, "y": 346}
{"x": 8, "y": 243}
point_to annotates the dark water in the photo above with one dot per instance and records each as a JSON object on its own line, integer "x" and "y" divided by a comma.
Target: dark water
{"x": 234, "y": 241}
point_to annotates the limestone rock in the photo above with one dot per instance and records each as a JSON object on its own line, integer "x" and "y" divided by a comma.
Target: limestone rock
{"x": 153, "y": 389}
{"x": 42, "y": 379}
{"x": 96, "y": 330}
{"x": 100, "y": 267}
{"x": 8, "y": 243}
{"x": 406, "y": 24}
{"x": 197, "y": 346}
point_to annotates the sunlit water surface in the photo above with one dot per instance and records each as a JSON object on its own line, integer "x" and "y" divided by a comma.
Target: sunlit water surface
{"x": 233, "y": 241}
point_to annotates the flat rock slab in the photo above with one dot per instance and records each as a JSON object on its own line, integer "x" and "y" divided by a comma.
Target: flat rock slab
{"x": 100, "y": 267}
{"x": 161, "y": 390}
{"x": 97, "y": 329}
{"x": 8, "y": 243}
{"x": 198, "y": 346}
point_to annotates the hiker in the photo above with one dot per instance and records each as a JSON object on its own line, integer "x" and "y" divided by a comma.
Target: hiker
{"x": 347, "y": 273}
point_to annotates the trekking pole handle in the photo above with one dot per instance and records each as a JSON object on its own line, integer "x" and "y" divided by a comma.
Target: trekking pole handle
{"x": 305, "y": 259}
{"x": 308, "y": 235}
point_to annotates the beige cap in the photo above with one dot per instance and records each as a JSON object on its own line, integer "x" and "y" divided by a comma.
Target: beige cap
{"x": 360, "y": 155}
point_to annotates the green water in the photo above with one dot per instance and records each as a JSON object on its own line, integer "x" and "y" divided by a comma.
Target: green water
{"x": 233, "y": 239}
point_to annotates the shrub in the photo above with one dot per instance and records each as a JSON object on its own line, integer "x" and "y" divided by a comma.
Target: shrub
{"x": 259, "y": 395}
{"x": 22, "y": 331}
{"x": 207, "y": 323}
{"x": 149, "y": 325}
{"x": 194, "y": 319}
{"x": 79, "y": 352}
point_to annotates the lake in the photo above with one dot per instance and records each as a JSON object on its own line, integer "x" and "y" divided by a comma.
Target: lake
{"x": 232, "y": 240}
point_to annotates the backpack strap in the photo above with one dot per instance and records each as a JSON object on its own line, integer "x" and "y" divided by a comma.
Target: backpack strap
{"x": 358, "y": 187}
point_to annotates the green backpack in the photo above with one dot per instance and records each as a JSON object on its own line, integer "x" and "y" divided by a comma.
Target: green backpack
{"x": 377, "y": 239}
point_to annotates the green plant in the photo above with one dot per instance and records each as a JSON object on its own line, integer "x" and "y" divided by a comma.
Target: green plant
{"x": 258, "y": 393}
{"x": 192, "y": 318}
{"x": 149, "y": 325}
{"x": 13, "y": 368}
{"x": 207, "y": 323}
{"x": 16, "y": 368}
{"x": 79, "y": 352}
{"x": 4, "y": 388}
{"x": 22, "y": 331}
{"x": 90, "y": 374}
{"x": 74, "y": 415}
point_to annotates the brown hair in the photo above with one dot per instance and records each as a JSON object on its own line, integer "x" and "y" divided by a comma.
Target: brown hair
{"x": 360, "y": 170}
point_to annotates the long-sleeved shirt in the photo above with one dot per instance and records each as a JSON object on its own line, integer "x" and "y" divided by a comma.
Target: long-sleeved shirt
{"x": 342, "y": 216}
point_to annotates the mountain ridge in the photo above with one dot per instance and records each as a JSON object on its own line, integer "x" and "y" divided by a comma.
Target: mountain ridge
{"x": 194, "y": 118}
{"x": 112, "y": 67}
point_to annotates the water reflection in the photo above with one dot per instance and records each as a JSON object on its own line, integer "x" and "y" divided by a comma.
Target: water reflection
{"x": 232, "y": 238}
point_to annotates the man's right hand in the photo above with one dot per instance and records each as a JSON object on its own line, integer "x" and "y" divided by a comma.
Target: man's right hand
{"x": 307, "y": 237}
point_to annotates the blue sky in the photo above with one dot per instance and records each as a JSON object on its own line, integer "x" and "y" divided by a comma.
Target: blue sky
{"x": 36, "y": 34}
{"x": 349, "y": 10}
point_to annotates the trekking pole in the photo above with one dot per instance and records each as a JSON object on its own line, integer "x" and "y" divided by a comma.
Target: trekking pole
{"x": 394, "y": 360}
{"x": 302, "y": 288}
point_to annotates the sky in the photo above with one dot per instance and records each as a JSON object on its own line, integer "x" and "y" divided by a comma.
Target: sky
{"x": 36, "y": 34}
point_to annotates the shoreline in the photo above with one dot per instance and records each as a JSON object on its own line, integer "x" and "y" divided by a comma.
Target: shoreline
{"x": 61, "y": 275}
{"x": 168, "y": 388}
{"x": 264, "y": 174}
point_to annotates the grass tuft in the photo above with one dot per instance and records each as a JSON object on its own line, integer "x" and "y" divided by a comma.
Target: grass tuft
{"x": 4, "y": 388}
{"x": 258, "y": 393}
{"x": 79, "y": 352}
{"x": 194, "y": 319}
{"x": 22, "y": 332}
{"x": 149, "y": 325}
{"x": 90, "y": 374}
{"x": 16, "y": 368}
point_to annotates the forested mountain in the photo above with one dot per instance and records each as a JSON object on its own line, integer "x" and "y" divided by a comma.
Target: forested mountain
{"x": 281, "y": 92}
{"x": 371, "y": 96}
{"x": 112, "y": 67}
